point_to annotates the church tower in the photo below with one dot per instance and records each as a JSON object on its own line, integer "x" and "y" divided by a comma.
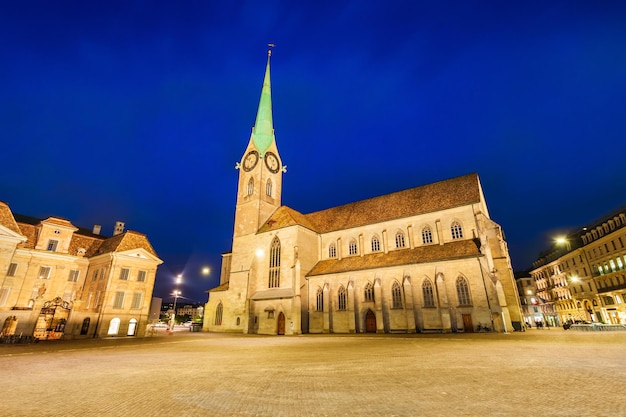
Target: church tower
{"x": 260, "y": 169}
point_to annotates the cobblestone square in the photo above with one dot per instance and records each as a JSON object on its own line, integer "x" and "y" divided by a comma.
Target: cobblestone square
{"x": 538, "y": 372}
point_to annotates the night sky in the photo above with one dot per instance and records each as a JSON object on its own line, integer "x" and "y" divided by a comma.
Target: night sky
{"x": 138, "y": 111}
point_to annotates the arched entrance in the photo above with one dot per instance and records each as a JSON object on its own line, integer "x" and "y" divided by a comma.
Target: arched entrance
{"x": 52, "y": 319}
{"x": 132, "y": 327}
{"x": 114, "y": 327}
{"x": 370, "y": 322}
{"x": 281, "y": 323}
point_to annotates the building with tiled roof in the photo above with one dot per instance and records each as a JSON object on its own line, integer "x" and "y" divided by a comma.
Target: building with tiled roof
{"x": 62, "y": 281}
{"x": 426, "y": 259}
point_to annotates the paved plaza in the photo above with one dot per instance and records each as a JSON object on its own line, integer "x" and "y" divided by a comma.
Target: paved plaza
{"x": 534, "y": 373}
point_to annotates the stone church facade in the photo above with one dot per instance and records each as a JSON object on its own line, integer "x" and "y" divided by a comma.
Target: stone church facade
{"x": 426, "y": 259}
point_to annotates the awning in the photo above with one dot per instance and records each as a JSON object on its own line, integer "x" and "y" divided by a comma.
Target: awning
{"x": 272, "y": 294}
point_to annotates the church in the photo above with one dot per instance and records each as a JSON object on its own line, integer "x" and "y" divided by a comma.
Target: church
{"x": 426, "y": 259}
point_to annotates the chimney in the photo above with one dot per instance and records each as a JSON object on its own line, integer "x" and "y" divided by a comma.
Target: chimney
{"x": 119, "y": 228}
{"x": 96, "y": 229}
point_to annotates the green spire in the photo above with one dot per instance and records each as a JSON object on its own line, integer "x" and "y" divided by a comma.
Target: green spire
{"x": 263, "y": 131}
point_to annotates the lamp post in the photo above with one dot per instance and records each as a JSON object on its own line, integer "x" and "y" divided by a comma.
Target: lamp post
{"x": 176, "y": 294}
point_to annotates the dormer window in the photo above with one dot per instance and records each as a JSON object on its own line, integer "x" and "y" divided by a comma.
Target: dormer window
{"x": 52, "y": 245}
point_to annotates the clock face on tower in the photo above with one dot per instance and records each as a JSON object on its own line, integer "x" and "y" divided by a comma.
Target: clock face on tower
{"x": 271, "y": 161}
{"x": 250, "y": 160}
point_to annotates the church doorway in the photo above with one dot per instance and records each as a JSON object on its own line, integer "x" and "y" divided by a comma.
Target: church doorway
{"x": 52, "y": 319}
{"x": 281, "y": 323}
{"x": 370, "y": 322}
{"x": 467, "y": 323}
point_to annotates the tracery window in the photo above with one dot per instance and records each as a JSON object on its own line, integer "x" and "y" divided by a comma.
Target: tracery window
{"x": 219, "y": 310}
{"x": 399, "y": 239}
{"x": 462, "y": 291}
{"x": 319, "y": 305}
{"x": 332, "y": 250}
{"x": 352, "y": 247}
{"x": 456, "y": 230}
{"x": 396, "y": 295}
{"x": 427, "y": 235}
{"x": 375, "y": 244}
{"x": 341, "y": 298}
{"x": 250, "y": 186}
{"x": 427, "y": 293}
{"x": 369, "y": 292}
{"x": 274, "y": 278}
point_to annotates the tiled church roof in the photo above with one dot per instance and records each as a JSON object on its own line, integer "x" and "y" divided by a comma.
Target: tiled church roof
{"x": 428, "y": 198}
{"x": 421, "y": 254}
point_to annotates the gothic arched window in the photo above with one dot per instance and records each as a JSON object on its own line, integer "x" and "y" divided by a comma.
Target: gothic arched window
{"x": 319, "y": 305}
{"x": 332, "y": 250}
{"x": 375, "y": 244}
{"x": 268, "y": 188}
{"x": 352, "y": 247}
{"x": 456, "y": 230}
{"x": 250, "y": 186}
{"x": 399, "y": 239}
{"x": 396, "y": 295}
{"x": 427, "y": 293}
{"x": 274, "y": 281}
{"x": 218, "y": 314}
{"x": 369, "y": 292}
{"x": 427, "y": 235}
{"x": 462, "y": 291}
{"x": 341, "y": 298}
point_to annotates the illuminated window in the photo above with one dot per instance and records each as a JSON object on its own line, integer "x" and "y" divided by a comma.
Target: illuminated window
{"x": 396, "y": 295}
{"x": 114, "y": 326}
{"x": 352, "y": 247}
{"x": 399, "y": 239}
{"x": 427, "y": 235}
{"x": 462, "y": 291}
{"x": 141, "y": 276}
{"x": 332, "y": 250}
{"x": 375, "y": 244}
{"x": 427, "y": 293}
{"x": 456, "y": 230}
{"x": 319, "y": 305}
{"x": 341, "y": 298}
{"x": 369, "y": 292}
{"x": 44, "y": 272}
{"x": 274, "y": 278}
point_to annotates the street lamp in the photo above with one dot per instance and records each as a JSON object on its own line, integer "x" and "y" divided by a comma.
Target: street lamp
{"x": 176, "y": 294}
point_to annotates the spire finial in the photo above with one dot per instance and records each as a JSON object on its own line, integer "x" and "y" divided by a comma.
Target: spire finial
{"x": 269, "y": 51}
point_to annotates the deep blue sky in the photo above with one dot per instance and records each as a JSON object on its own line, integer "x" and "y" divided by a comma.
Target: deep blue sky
{"x": 138, "y": 110}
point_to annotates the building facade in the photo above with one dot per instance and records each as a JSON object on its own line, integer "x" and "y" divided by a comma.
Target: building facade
{"x": 425, "y": 259}
{"x": 62, "y": 281}
{"x": 582, "y": 277}
{"x": 531, "y": 309}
